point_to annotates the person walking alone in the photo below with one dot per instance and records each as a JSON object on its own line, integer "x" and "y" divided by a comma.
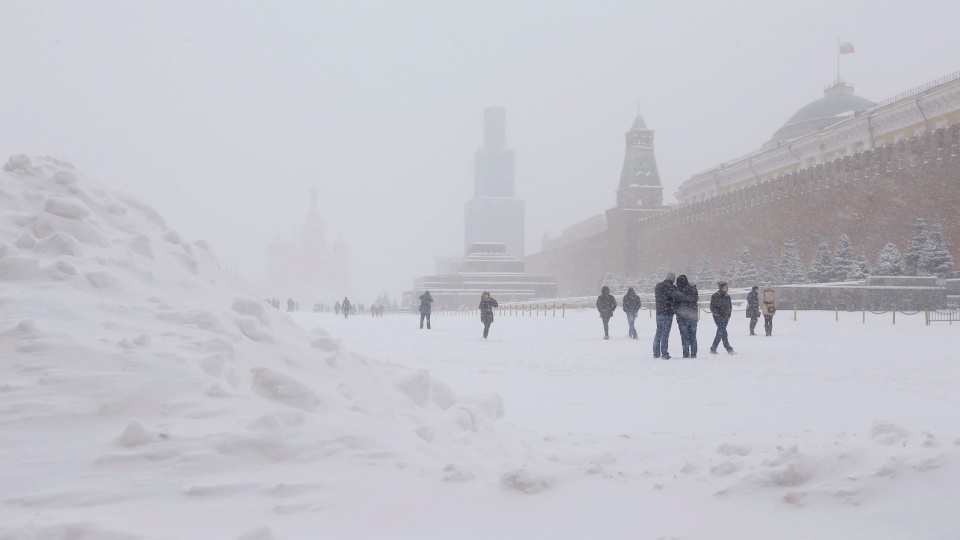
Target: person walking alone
{"x": 631, "y": 305}
{"x": 688, "y": 312}
{"x": 769, "y": 308}
{"x": 606, "y": 305}
{"x": 426, "y": 305}
{"x": 665, "y": 296}
{"x": 753, "y": 308}
{"x": 722, "y": 308}
{"x": 345, "y": 307}
{"x": 487, "y": 305}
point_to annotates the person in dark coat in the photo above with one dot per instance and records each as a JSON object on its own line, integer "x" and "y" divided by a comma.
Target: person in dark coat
{"x": 688, "y": 313}
{"x": 721, "y": 307}
{"x": 426, "y": 305}
{"x": 631, "y": 305}
{"x": 487, "y": 305}
{"x": 753, "y": 308}
{"x": 606, "y": 305}
{"x": 290, "y": 304}
{"x": 336, "y": 307}
{"x": 345, "y": 307}
{"x": 665, "y": 295}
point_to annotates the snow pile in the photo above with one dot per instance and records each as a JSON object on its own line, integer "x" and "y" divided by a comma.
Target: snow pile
{"x": 138, "y": 379}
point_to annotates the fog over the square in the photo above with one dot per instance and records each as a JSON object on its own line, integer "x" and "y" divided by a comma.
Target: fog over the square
{"x": 223, "y": 115}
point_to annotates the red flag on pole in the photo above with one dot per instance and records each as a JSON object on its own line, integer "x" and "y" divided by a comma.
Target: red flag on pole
{"x": 846, "y": 48}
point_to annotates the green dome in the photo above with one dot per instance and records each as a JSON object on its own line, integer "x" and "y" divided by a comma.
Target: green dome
{"x": 838, "y": 103}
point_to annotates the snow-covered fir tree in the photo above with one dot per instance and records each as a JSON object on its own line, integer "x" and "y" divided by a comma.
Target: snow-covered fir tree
{"x": 889, "y": 262}
{"x": 911, "y": 257}
{"x": 844, "y": 261}
{"x": 768, "y": 268}
{"x": 704, "y": 273}
{"x": 723, "y": 273}
{"x": 935, "y": 260}
{"x": 862, "y": 268}
{"x": 791, "y": 267}
{"x": 821, "y": 267}
{"x": 744, "y": 272}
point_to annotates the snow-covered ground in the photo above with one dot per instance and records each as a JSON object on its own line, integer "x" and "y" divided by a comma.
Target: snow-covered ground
{"x": 826, "y": 430}
{"x": 144, "y": 393}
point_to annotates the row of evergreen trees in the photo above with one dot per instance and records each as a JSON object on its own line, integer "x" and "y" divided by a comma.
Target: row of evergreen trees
{"x": 926, "y": 255}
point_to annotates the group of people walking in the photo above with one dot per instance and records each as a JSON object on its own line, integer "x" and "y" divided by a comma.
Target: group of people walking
{"x": 674, "y": 296}
{"x": 677, "y": 296}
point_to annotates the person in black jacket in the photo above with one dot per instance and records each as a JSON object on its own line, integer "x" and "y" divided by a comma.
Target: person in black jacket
{"x": 631, "y": 305}
{"x": 426, "y": 305}
{"x": 345, "y": 307}
{"x": 606, "y": 305}
{"x": 487, "y": 305}
{"x": 753, "y": 308}
{"x": 688, "y": 312}
{"x": 665, "y": 295}
{"x": 722, "y": 308}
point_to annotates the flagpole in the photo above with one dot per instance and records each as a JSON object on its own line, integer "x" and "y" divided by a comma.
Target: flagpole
{"x": 838, "y": 59}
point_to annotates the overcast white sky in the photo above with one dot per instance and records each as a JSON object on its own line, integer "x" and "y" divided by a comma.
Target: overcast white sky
{"x": 222, "y": 114}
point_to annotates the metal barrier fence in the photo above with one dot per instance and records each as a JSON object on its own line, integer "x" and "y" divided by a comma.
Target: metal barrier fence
{"x": 551, "y": 309}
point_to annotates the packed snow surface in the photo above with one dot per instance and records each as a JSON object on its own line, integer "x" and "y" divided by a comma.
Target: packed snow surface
{"x": 145, "y": 393}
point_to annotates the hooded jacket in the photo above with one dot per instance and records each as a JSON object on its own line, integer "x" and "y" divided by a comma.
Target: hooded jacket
{"x": 631, "y": 302}
{"x": 606, "y": 303}
{"x": 426, "y": 302}
{"x": 687, "y": 300}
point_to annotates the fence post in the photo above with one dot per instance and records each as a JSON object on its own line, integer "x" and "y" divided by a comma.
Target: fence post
{"x": 864, "y": 314}
{"x": 649, "y": 312}
{"x": 926, "y": 314}
{"x": 554, "y": 309}
{"x": 538, "y": 310}
{"x": 794, "y": 312}
{"x": 894, "y": 314}
{"x": 563, "y": 311}
{"x": 836, "y": 312}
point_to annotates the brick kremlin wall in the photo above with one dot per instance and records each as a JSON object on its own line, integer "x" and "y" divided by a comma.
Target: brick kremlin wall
{"x": 874, "y": 197}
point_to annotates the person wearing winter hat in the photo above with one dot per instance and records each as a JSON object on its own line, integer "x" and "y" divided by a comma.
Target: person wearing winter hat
{"x": 721, "y": 307}
{"x": 769, "y": 308}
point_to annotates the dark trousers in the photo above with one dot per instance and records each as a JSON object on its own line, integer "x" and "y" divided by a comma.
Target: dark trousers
{"x": 425, "y": 316}
{"x": 753, "y": 324}
{"x": 688, "y": 337}
{"x": 486, "y": 327}
{"x": 721, "y": 335}
{"x": 768, "y": 324}
{"x": 606, "y": 326}
{"x": 661, "y": 340}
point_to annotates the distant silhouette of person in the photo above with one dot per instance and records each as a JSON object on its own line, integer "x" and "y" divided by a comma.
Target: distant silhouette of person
{"x": 426, "y": 305}
{"x": 290, "y": 304}
{"x": 336, "y": 308}
{"x": 769, "y": 308}
{"x": 631, "y": 306}
{"x": 753, "y": 308}
{"x": 345, "y": 307}
{"x": 606, "y": 305}
{"x": 487, "y": 305}
{"x": 721, "y": 307}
